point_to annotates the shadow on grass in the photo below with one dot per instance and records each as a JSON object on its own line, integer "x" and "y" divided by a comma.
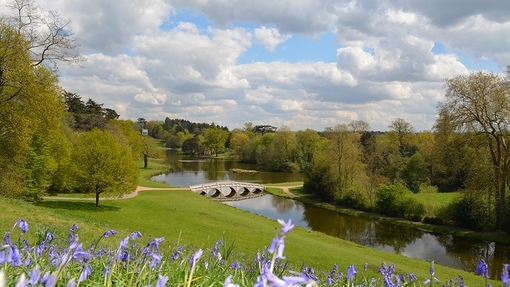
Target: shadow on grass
{"x": 76, "y": 205}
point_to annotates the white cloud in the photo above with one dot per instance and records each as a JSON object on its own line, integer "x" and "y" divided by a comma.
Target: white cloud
{"x": 269, "y": 37}
{"x": 384, "y": 66}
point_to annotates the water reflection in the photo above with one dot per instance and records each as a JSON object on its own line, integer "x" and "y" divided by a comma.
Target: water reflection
{"x": 444, "y": 249}
{"x": 185, "y": 171}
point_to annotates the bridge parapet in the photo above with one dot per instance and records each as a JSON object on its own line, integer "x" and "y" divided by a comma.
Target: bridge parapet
{"x": 229, "y": 190}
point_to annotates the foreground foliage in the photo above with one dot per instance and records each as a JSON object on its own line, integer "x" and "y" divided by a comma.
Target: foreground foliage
{"x": 54, "y": 261}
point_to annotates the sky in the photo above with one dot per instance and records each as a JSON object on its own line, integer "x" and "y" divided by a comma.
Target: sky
{"x": 296, "y": 63}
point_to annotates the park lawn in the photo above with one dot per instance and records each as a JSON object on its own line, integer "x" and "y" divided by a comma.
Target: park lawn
{"x": 440, "y": 198}
{"x": 185, "y": 217}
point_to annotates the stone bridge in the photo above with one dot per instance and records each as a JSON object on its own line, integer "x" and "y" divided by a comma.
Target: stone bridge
{"x": 229, "y": 190}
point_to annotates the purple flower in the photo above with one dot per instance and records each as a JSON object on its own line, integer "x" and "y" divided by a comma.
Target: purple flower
{"x": 73, "y": 228}
{"x": 135, "y": 235}
{"x": 235, "y": 265}
{"x": 351, "y": 272}
{"x": 504, "y": 275}
{"x": 109, "y": 233}
{"x": 7, "y": 238}
{"x": 161, "y": 281}
{"x": 286, "y": 226}
{"x": 281, "y": 246}
{"x": 482, "y": 269}
{"x": 85, "y": 273}
{"x": 14, "y": 256}
{"x": 23, "y": 225}
{"x": 48, "y": 279}
{"x": 273, "y": 246}
{"x": 195, "y": 257}
{"x": 35, "y": 274}
{"x": 228, "y": 282}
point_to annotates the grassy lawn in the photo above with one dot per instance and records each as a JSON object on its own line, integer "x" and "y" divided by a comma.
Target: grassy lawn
{"x": 441, "y": 199}
{"x": 185, "y": 217}
{"x": 153, "y": 168}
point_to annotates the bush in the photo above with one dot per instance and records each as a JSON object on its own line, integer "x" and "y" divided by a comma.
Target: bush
{"x": 470, "y": 212}
{"x": 390, "y": 199}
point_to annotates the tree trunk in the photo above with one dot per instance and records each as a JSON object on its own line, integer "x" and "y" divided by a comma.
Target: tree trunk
{"x": 145, "y": 161}
{"x": 97, "y": 199}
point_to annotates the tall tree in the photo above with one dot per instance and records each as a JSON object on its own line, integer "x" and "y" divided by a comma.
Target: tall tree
{"x": 103, "y": 165}
{"x": 215, "y": 138}
{"x": 480, "y": 102}
{"x": 31, "y": 113}
{"x": 150, "y": 150}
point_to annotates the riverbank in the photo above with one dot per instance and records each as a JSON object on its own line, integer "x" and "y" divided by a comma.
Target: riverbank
{"x": 296, "y": 193}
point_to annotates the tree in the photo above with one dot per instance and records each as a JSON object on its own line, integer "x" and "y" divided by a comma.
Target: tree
{"x": 359, "y": 126}
{"x": 282, "y": 152}
{"x": 238, "y": 142}
{"x": 480, "y": 103}
{"x": 215, "y": 138}
{"x": 103, "y": 165}
{"x": 307, "y": 142}
{"x": 403, "y": 131}
{"x": 31, "y": 113}
{"x": 49, "y": 36}
{"x": 263, "y": 129}
{"x": 150, "y": 150}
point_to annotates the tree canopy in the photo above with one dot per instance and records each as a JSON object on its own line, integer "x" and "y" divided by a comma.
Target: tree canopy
{"x": 103, "y": 165}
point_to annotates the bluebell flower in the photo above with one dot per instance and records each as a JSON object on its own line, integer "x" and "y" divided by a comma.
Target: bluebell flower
{"x": 14, "y": 256}
{"x": 109, "y": 233}
{"x": 48, "y": 279}
{"x": 286, "y": 226}
{"x": 156, "y": 259}
{"x": 273, "y": 246}
{"x": 135, "y": 235}
{"x": 235, "y": 265}
{"x": 73, "y": 228}
{"x": 49, "y": 237}
{"x": 161, "y": 281}
{"x": 7, "y": 238}
{"x": 504, "y": 275}
{"x": 2, "y": 257}
{"x": 35, "y": 274}
{"x": 365, "y": 267}
{"x": 228, "y": 282}
{"x": 85, "y": 273}
{"x": 216, "y": 249}
{"x": 482, "y": 269}
{"x": 23, "y": 225}
{"x": 195, "y": 257}
{"x": 351, "y": 272}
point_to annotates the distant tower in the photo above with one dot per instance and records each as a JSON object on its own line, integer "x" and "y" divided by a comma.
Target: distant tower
{"x": 143, "y": 126}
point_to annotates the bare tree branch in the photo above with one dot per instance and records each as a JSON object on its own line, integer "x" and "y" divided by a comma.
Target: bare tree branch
{"x": 50, "y": 36}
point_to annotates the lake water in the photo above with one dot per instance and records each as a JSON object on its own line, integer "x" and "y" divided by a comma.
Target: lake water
{"x": 457, "y": 252}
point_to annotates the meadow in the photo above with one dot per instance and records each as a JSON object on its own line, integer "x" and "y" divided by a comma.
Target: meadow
{"x": 183, "y": 217}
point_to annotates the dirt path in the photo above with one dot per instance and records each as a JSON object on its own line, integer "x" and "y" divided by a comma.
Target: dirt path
{"x": 285, "y": 189}
{"x": 125, "y": 196}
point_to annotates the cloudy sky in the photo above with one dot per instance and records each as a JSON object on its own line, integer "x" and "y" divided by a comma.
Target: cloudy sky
{"x": 300, "y": 63}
